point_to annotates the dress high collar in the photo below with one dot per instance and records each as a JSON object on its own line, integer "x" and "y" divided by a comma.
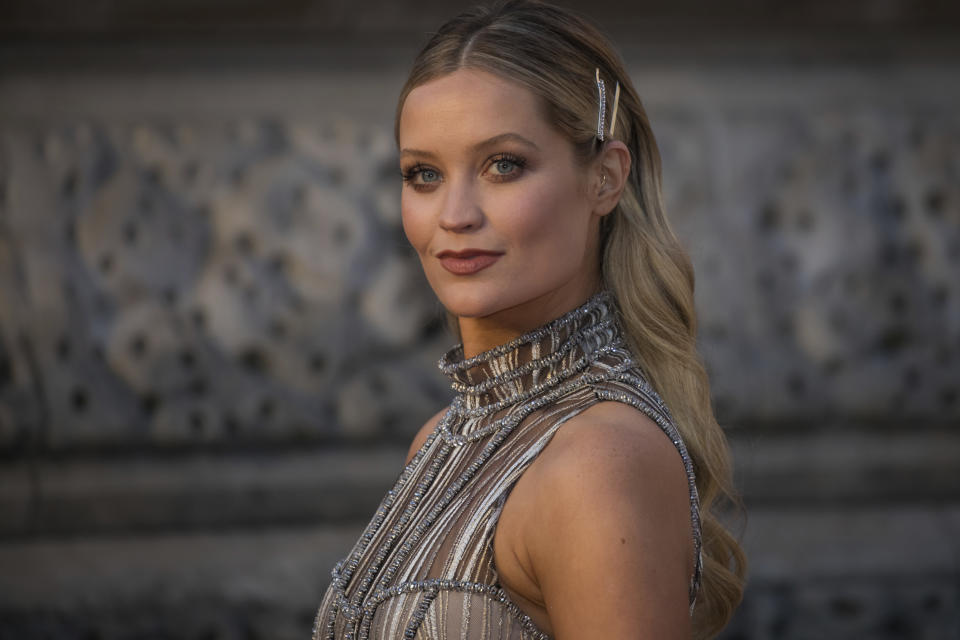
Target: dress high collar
{"x": 540, "y": 358}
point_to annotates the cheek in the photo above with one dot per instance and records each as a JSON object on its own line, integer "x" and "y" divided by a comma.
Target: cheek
{"x": 552, "y": 220}
{"x": 413, "y": 225}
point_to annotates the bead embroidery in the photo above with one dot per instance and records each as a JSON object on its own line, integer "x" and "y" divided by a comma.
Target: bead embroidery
{"x": 560, "y": 359}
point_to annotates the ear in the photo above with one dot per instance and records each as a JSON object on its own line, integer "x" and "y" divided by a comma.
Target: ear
{"x": 609, "y": 177}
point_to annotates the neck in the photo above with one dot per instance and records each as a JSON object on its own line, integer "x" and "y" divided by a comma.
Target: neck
{"x": 533, "y": 362}
{"x": 485, "y": 333}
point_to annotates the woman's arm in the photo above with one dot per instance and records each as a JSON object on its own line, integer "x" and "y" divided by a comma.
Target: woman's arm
{"x": 609, "y": 537}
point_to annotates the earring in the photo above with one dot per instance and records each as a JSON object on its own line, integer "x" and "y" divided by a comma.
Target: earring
{"x": 603, "y": 180}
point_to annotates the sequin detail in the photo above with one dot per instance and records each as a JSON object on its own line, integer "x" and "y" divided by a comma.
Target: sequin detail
{"x": 430, "y": 540}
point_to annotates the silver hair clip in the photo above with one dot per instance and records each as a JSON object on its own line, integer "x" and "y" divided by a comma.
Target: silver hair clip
{"x": 602, "y": 115}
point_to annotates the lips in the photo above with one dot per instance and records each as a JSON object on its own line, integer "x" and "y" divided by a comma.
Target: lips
{"x": 468, "y": 261}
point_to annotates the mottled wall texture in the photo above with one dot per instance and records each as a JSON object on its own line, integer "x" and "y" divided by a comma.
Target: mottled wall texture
{"x": 215, "y": 343}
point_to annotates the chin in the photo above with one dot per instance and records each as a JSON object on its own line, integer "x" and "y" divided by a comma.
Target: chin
{"x": 473, "y": 303}
{"x": 467, "y": 307}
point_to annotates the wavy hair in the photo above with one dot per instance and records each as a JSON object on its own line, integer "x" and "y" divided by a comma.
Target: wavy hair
{"x": 553, "y": 53}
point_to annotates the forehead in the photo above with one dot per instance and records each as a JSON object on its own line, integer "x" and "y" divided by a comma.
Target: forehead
{"x": 469, "y": 105}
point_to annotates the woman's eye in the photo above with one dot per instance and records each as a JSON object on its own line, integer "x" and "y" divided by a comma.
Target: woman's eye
{"x": 420, "y": 177}
{"x": 506, "y": 167}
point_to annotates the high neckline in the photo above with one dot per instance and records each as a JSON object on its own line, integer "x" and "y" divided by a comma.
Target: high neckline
{"x": 543, "y": 357}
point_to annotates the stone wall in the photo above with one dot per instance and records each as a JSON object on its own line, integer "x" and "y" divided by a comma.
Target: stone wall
{"x": 215, "y": 343}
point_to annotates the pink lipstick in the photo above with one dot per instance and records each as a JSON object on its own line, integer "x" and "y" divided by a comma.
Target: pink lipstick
{"x": 468, "y": 261}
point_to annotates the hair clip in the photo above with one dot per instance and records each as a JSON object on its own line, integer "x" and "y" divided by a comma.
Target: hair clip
{"x": 602, "y": 111}
{"x": 616, "y": 105}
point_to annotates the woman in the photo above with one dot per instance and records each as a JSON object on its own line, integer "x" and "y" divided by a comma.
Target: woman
{"x": 545, "y": 501}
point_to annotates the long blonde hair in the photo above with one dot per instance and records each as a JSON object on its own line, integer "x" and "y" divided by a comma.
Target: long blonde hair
{"x": 554, "y": 53}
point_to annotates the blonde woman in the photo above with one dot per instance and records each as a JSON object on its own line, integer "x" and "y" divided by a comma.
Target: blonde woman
{"x": 567, "y": 491}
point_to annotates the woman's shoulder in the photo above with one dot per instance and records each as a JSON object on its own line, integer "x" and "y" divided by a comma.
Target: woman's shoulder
{"x": 611, "y": 492}
{"x": 610, "y": 442}
{"x": 611, "y": 461}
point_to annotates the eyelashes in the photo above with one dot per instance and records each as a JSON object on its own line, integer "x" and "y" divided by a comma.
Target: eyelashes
{"x": 416, "y": 170}
{"x": 507, "y": 159}
{"x": 419, "y": 169}
{"x": 502, "y": 167}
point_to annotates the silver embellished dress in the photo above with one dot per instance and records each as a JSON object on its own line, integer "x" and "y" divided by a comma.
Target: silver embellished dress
{"x": 424, "y": 567}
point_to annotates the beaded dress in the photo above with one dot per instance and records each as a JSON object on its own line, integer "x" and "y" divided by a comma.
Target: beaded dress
{"x": 423, "y": 567}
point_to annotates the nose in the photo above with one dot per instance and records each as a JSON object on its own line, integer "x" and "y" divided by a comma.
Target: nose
{"x": 460, "y": 210}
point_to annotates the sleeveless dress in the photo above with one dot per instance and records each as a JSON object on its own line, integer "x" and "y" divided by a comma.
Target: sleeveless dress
{"x": 423, "y": 567}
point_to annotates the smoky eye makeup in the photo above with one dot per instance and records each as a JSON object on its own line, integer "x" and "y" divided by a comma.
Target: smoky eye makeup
{"x": 505, "y": 166}
{"x": 420, "y": 175}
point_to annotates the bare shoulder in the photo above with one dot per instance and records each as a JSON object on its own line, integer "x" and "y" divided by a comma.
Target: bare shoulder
{"x": 424, "y": 433}
{"x": 613, "y": 442}
{"x": 609, "y": 531}
{"x": 614, "y": 460}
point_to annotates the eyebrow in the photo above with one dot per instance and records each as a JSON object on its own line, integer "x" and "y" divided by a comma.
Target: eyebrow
{"x": 516, "y": 137}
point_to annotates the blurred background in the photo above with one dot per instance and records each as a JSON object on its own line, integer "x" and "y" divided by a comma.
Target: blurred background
{"x": 215, "y": 344}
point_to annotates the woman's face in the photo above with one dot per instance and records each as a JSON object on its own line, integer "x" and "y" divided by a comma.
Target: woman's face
{"x": 494, "y": 201}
